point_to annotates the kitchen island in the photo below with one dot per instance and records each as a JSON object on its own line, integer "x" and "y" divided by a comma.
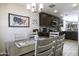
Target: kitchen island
{"x": 27, "y": 48}
{"x": 73, "y": 35}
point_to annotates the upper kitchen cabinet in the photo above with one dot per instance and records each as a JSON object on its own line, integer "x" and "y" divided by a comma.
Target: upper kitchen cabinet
{"x": 47, "y": 20}
{"x": 44, "y": 19}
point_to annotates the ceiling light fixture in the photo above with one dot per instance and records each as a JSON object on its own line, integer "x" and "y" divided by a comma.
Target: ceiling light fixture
{"x": 40, "y": 7}
{"x": 33, "y": 7}
{"x": 28, "y": 6}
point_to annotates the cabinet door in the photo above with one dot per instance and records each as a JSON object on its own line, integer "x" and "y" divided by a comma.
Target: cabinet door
{"x": 44, "y": 20}
{"x": 42, "y": 17}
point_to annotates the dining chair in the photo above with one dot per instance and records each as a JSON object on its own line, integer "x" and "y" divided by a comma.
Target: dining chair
{"x": 53, "y": 34}
{"x": 59, "y": 45}
{"x": 44, "y": 47}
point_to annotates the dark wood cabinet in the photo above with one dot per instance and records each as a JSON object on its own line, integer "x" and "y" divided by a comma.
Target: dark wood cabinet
{"x": 48, "y": 23}
{"x": 44, "y": 20}
{"x": 72, "y": 35}
{"x": 43, "y": 34}
{"x": 47, "y": 19}
{"x": 51, "y": 21}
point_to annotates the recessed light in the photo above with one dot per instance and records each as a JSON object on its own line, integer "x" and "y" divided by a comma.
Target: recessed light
{"x": 74, "y": 5}
{"x": 55, "y": 11}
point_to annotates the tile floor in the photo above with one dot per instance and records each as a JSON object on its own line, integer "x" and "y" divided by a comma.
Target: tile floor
{"x": 70, "y": 48}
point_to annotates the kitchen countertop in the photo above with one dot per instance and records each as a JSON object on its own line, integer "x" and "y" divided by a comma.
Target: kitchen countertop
{"x": 73, "y": 35}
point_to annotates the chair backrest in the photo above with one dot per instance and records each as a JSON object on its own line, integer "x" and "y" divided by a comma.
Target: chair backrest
{"x": 62, "y": 37}
{"x": 54, "y": 34}
{"x": 44, "y": 47}
{"x": 59, "y": 45}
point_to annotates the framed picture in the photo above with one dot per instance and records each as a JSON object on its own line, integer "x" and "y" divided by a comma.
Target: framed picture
{"x": 18, "y": 20}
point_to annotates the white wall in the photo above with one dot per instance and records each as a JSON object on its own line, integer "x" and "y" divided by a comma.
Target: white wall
{"x": 64, "y": 26}
{"x": 78, "y": 33}
{"x": 8, "y": 33}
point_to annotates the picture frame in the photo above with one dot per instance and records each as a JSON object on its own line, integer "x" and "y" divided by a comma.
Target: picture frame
{"x": 18, "y": 20}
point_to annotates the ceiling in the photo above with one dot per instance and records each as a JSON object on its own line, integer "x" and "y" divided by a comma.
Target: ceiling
{"x": 63, "y": 8}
